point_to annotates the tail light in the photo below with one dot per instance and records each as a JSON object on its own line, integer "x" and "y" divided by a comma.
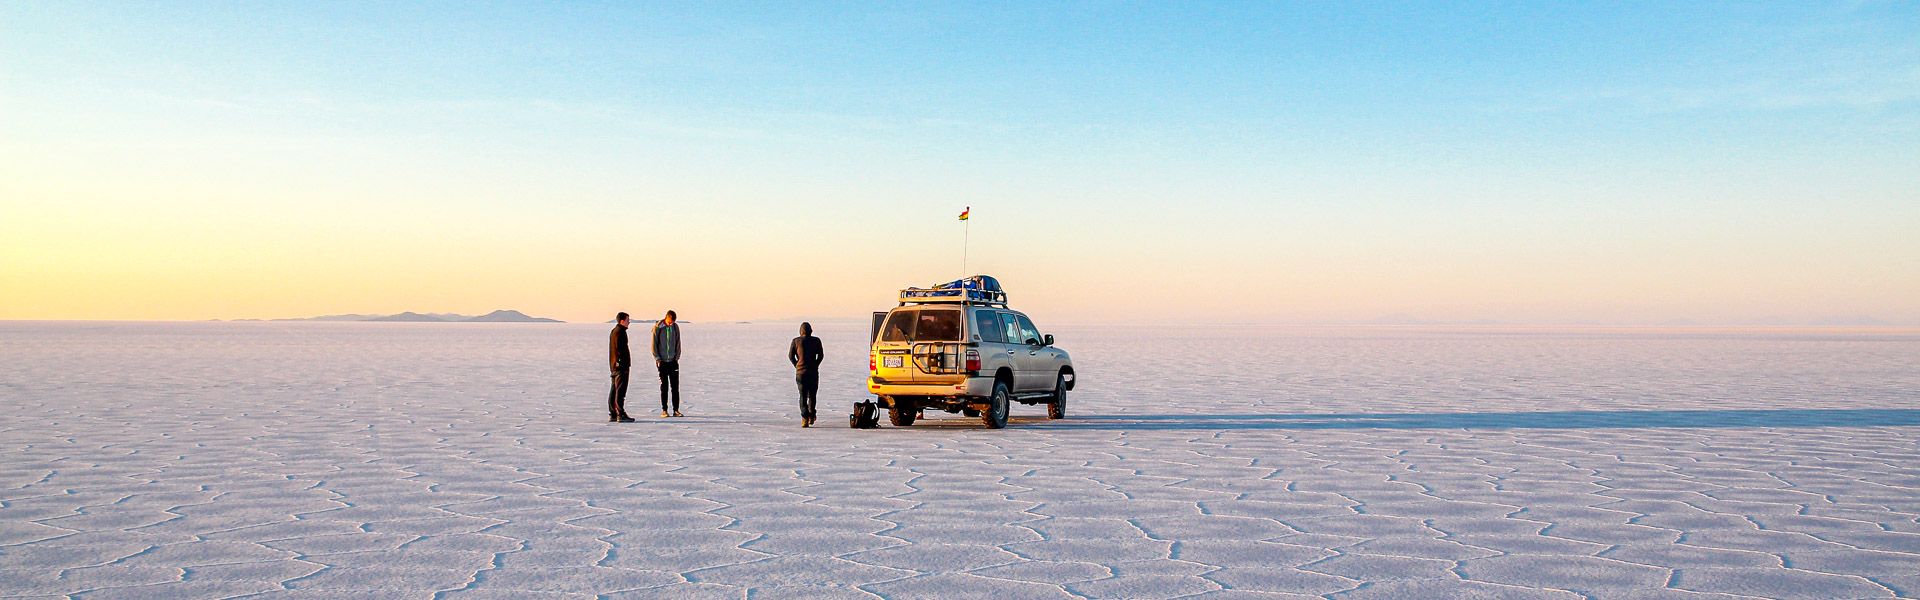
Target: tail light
{"x": 973, "y": 360}
{"x": 873, "y": 363}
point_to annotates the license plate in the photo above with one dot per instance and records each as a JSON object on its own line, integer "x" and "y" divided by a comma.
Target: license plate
{"x": 893, "y": 362}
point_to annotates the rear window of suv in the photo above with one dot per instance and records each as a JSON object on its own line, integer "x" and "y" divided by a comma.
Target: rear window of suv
{"x": 926, "y": 325}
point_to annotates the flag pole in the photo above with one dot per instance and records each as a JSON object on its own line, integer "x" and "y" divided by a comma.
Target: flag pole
{"x": 966, "y": 239}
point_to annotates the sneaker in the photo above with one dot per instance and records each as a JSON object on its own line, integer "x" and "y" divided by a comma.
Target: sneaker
{"x": 677, "y": 414}
{"x": 626, "y": 419}
{"x": 613, "y": 419}
{"x": 663, "y": 414}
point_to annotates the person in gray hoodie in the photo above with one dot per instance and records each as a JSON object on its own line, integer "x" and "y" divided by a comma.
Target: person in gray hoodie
{"x": 666, "y": 356}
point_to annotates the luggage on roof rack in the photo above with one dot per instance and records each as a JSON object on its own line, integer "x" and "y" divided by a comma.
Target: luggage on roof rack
{"x": 978, "y": 289}
{"x": 977, "y": 282}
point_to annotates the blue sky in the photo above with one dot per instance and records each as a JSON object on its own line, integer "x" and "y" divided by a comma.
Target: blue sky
{"x": 1525, "y": 162}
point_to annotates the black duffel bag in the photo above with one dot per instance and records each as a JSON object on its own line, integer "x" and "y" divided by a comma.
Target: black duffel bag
{"x": 866, "y": 415}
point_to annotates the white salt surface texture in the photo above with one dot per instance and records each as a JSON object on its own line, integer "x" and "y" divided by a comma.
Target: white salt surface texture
{"x": 401, "y": 460}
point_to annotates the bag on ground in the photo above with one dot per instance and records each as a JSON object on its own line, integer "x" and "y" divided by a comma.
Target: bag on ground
{"x": 866, "y": 415}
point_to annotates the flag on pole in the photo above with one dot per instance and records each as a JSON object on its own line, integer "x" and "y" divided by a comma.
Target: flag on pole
{"x": 963, "y": 213}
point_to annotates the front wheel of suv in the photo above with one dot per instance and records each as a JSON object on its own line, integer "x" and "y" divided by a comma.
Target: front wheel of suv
{"x": 902, "y": 412}
{"x": 1057, "y": 409}
{"x": 995, "y": 416}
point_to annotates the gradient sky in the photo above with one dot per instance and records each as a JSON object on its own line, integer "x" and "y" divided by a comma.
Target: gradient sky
{"x": 1525, "y": 162}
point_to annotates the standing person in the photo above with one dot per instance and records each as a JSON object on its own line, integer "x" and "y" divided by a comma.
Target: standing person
{"x": 666, "y": 356}
{"x": 621, "y": 362}
{"x": 805, "y": 354}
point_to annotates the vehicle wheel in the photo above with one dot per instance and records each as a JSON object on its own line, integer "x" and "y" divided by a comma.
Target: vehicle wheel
{"x": 1057, "y": 409}
{"x": 902, "y": 412}
{"x": 995, "y": 416}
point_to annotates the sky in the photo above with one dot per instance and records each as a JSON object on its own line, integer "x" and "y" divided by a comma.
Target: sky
{"x": 1614, "y": 163}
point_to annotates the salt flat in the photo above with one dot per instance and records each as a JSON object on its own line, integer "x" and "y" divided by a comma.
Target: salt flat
{"x": 343, "y": 460}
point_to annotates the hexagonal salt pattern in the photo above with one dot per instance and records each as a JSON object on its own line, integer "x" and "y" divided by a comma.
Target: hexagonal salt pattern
{"x": 333, "y": 460}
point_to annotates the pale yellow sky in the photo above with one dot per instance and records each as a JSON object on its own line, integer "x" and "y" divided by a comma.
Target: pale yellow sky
{"x": 170, "y": 246}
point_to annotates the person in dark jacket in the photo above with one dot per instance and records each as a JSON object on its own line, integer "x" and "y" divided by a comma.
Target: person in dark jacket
{"x": 666, "y": 356}
{"x": 805, "y": 354}
{"x": 621, "y": 362}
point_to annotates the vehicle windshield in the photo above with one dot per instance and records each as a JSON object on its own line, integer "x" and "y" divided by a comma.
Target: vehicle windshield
{"x": 926, "y": 325}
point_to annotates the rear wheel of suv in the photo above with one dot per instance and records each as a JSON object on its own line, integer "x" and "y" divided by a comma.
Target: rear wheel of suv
{"x": 1057, "y": 409}
{"x": 995, "y": 416}
{"x": 902, "y": 412}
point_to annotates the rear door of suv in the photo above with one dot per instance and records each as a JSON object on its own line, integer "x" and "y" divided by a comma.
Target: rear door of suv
{"x": 893, "y": 347}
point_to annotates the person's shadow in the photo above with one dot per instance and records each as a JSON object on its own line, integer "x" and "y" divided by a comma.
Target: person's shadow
{"x": 1583, "y": 419}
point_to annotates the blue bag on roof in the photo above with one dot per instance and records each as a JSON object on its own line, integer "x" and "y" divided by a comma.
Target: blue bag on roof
{"x": 977, "y": 282}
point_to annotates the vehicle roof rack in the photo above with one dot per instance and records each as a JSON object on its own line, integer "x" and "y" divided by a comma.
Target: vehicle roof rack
{"x": 978, "y": 289}
{"x": 953, "y": 296}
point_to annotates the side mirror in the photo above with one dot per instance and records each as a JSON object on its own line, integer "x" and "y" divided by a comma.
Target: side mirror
{"x": 1048, "y": 341}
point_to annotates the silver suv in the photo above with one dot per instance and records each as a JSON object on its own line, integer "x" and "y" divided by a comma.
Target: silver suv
{"x": 958, "y": 348}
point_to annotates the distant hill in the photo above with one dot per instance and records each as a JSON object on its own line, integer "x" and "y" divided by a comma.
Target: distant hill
{"x": 498, "y": 316}
{"x": 411, "y": 317}
{"x": 509, "y": 316}
{"x": 336, "y": 318}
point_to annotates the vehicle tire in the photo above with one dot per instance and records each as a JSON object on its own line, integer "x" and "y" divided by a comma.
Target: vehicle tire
{"x": 995, "y": 416}
{"x": 902, "y": 412}
{"x": 1057, "y": 409}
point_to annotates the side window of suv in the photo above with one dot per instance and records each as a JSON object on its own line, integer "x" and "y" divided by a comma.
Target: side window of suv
{"x": 1028, "y": 334}
{"x": 987, "y": 324}
{"x": 1011, "y": 325}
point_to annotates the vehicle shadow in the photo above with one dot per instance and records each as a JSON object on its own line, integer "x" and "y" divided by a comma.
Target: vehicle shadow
{"x": 1626, "y": 419}
{"x": 940, "y": 420}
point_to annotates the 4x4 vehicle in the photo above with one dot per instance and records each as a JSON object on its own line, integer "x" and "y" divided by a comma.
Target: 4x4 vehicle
{"x": 958, "y": 348}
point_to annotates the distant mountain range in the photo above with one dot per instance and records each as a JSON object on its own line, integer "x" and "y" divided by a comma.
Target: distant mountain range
{"x": 498, "y": 316}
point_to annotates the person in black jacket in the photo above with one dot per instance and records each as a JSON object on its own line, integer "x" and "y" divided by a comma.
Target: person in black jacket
{"x": 621, "y": 362}
{"x": 805, "y": 354}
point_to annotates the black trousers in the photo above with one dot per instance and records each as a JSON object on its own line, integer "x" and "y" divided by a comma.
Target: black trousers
{"x": 809, "y": 392}
{"x": 669, "y": 380}
{"x": 617, "y": 397}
